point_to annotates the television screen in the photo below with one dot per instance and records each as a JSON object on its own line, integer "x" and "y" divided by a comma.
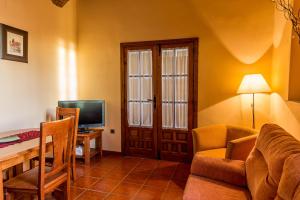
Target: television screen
{"x": 92, "y": 112}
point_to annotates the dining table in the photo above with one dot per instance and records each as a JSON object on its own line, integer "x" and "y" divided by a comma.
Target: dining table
{"x": 19, "y": 153}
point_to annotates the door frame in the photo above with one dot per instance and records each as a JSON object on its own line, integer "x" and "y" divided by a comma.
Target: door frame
{"x": 157, "y": 43}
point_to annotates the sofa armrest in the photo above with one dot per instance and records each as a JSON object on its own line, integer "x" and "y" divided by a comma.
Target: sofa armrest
{"x": 229, "y": 171}
{"x": 240, "y": 149}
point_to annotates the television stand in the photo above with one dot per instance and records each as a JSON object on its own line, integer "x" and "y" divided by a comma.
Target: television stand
{"x": 85, "y": 139}
{"x": 85, "y": 130}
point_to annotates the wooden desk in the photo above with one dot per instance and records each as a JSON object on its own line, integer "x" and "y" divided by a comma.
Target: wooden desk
{"x": 85, "y": 138}
{"x": 18, "y": 153}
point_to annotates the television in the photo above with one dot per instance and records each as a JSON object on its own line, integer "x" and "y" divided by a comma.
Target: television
{"x": 92, "y": 112}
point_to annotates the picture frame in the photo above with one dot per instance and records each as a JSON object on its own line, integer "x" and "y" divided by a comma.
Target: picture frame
{"x": 14, "y": 44}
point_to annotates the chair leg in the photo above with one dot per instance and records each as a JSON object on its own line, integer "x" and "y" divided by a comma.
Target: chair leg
{"x": 41, "y": 196}
{"x": 74, "y": 176}
{"x": 67, "y": 188}
{"x": 9, "y": 196}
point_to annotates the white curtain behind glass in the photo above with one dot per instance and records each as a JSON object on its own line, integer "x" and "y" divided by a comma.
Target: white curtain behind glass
{"x": 175, "y": 88}
{"x": 140, "y": 88}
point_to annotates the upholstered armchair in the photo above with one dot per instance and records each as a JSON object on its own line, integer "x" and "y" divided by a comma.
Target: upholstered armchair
{"x": 271, "y": 171}
{"x": 223, "y": 141}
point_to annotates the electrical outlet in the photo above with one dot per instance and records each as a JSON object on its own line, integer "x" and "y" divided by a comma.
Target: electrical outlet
{"x": 112, "y": 131}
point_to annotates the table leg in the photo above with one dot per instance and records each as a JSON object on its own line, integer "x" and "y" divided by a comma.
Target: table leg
{"x": 98, "y": 143}
{"x": 1, "y": 185}
{"x": 87, "y": 156}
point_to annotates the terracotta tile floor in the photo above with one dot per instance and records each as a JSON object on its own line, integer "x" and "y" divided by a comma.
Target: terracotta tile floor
{"x": 123, "y": 178}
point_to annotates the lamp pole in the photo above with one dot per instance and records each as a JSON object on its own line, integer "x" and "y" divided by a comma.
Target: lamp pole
{"x": 253, "y": 112}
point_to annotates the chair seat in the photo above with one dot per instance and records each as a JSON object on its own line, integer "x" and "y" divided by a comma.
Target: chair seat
{"x": 214, "y": 153}
{"x": 29, "y": 180}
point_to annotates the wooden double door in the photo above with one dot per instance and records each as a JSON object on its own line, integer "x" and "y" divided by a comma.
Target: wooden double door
{"x": 159, "y": 98}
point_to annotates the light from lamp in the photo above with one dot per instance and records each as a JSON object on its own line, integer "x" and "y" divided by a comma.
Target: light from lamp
{"x": 253, "y": 83}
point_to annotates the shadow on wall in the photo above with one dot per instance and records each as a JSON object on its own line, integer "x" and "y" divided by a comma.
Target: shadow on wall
{"x": 236, "y": 25}
{"x": 242, "y": 42}
{"x": 237, "y": 111}
{"x": 286, "y": 114}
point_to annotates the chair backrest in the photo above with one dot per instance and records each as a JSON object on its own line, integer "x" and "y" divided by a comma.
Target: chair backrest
{"x": 209, "y": 137}
{"x": 272, "y": 167}
{"x": 61, "y": 132}
{"x": 62, "y": 113}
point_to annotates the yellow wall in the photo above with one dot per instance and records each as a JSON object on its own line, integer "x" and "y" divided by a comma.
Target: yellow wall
{"x": 294, "y": 87}
{"x": 233, "y": 42}
{"x": 284, "y": 112}
{"x": 28, "y": 90}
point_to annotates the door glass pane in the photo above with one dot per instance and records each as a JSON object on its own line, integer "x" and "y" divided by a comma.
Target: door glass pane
{"x": 181, "y": 61}
{"x": 181, "y": 112}
{"x": 146, "y": 90}
{"x": 133, "y": 63}
{"x": 181, "y": 90}
{"x": 167, "y": 88}
{"x": 175, "y": 88}
{"x": 134, "y": 89}
{"x": 167, "y": 115}
{"x": 146, "y": 118}
{"x": 134, "y": 117}
{"x": 139, "y": 89}
{"x": 146, "y": 62}
{"x": 168, "y": 61}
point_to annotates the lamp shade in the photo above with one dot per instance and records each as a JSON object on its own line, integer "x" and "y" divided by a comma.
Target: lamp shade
{"x": 253, "y": 83}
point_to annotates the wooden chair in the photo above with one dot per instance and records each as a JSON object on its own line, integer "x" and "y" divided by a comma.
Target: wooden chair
{"x": 42, "y": 180}
{"x": 62, "y": 113}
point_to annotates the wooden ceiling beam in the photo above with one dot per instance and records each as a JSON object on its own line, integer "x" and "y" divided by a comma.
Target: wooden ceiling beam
{"x": 59, "y": 3}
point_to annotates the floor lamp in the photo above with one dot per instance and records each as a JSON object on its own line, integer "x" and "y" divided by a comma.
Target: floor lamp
{"x": 252, "y": 84}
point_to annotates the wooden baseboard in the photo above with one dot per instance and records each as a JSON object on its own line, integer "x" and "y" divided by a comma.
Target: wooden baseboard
{"x": 115, "y": 153}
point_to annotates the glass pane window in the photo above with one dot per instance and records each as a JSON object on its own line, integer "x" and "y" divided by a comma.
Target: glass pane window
{"x": 167, "y": 115}
{"x": 181, "y": 115}
{"x": 140, "y": 95}
{"x": 175, "y": 88}
{"x": 146, "y": 118}
{"x": 146, "y": 84}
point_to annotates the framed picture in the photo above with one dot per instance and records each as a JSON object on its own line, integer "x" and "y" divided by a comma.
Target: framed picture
{"x": 14, "y": 44}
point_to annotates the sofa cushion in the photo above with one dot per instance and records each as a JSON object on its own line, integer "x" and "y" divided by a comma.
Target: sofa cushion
{"x": 264, "y": 166}
{"x": 257, "y": 173}
{"x": 200, "y": 188}
{"x": 229, "y": 171}
{"x": 289, "y": 182}
{"x": 213, "y": 153}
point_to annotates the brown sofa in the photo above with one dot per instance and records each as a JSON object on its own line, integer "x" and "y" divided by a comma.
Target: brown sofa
{"x": 272, "y": 171}
{"x": 223, "y": 141}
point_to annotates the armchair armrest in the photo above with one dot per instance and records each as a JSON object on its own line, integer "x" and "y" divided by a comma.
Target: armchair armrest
{"x": 240, "y": 149}
{"x": 229, "y": 171}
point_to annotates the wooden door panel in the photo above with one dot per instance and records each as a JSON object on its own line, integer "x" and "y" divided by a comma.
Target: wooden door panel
{"x": 175, "y": 145}
{"x": 140, "y": 142}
